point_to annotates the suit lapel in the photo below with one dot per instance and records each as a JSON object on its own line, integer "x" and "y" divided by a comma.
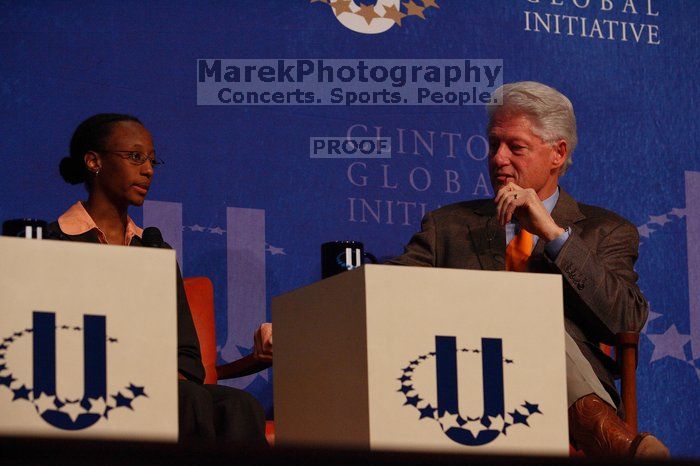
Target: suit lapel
{"x": 489, "y": 238}
{"x": 566, "y": 213}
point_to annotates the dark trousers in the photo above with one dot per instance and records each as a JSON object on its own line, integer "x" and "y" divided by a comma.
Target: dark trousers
{"x": 216, "y": 412}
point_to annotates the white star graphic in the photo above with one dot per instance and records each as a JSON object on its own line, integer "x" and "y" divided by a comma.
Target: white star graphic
{"x": 97, "y": 405}
{"x": 659, "y": 219}
{"x": 275, "y": 251}
{"x": 73, "y": 410}
{"x": 497, "y": 423}
{"x": 670, "y": 343}
{"x": 652, "y": 315}
{"x": 196, "y": 227}
{"x": 680, "y": 213}
{"x": 448, "y": 421}
{"x": 44, "y": 402}
{"x": 644, "y": 231}
{"x": 217, "y": 231}
{"x": 474, "y": 427}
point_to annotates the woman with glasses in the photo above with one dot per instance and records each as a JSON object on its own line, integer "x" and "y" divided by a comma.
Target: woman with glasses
{"x": 113, "y": 155}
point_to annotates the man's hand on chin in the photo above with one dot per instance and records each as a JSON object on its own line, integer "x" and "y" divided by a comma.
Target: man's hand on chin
{"x": 512, "y": 200}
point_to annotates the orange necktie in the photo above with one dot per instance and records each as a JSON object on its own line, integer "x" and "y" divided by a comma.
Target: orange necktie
{"x": 518, "y": 251}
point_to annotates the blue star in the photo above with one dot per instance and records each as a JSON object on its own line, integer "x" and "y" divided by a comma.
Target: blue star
{"x": 7, "y": 381}
{"x": 428, "y": 411}
{"x": 423, "y": 357}
{"x": 122, "y": 400}
{"x": 405, "y": 389}
{"x": 3, "y": 367}
{"x": 8, "y": 340}
{"x": 3, "y": 347}
{"x": 2, "y": 355}
{"x": 432, "y": 353}
{"x": 21, "y": 392}
{"x": 137, "y": 391}
{"x": 18, "y": 334}
{"x": 414, "y": 362}
{"x": 107, "y": 410}
{"x": 408, "y": 369}
{"x": 505, "y": 428}
{"x": 112, "y": 340}
{"x": 464, "y": 350}
{"x": 28, "y": 330}
{"x": 476, "y": 351}
{"x": 519, "y": 418}
{"x": 76, "y": 328}
{"x": 404, "y": 378}
{"x": 531, "y": 408}
{"x": 413, "y": 400}
{"x": 64, "y": 327}
{"x": 508, "y": 361}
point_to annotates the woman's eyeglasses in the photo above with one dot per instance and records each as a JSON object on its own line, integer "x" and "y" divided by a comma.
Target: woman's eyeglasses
{"x": 136, "y": 157}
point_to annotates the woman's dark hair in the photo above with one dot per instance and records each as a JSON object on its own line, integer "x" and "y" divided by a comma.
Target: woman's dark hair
{"x": 91, "y": 134}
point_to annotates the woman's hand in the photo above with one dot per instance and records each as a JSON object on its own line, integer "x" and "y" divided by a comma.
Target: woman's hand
{"x": 262, "y": 348}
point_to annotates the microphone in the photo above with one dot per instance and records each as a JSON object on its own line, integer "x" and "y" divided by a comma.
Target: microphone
{"x": 152, "y": 238}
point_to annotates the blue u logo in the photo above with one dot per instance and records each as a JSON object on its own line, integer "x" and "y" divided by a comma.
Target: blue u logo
{"x": 448, "y": 398}
{"x": 94, "y": 366}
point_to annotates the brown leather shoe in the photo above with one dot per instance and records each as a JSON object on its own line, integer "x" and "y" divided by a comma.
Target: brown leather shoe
{"x": 597, "y": 430}
{"x": 646, "y": 445}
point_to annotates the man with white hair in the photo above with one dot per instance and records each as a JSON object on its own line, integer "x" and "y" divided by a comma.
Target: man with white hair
{"x": 533, "y": 225}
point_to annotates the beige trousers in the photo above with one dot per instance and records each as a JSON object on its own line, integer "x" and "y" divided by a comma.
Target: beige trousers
{"x": 580, "y": 378}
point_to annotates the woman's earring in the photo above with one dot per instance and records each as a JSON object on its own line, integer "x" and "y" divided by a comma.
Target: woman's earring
{"x": 97, "y": 172}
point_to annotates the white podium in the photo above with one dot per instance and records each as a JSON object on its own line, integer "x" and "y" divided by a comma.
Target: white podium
{"x": 88, "y": 341}
{"x": 423, "y": 359}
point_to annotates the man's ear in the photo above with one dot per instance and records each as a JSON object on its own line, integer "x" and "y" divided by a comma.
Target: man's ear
{"x": 559, "y": 154}
{"x": 93, "y": 161}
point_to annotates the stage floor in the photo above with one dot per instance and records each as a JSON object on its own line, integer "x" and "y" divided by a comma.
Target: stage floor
{"x": 53, "y": 451}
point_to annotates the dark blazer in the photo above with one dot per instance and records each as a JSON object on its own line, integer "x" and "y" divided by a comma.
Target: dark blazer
{"x": 189, "y": 357}
{"x": 601, "y": 297}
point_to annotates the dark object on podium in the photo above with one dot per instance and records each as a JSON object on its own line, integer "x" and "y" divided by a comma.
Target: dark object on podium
{"x": 339, "y": 256}
{"x": 21, "y": 226}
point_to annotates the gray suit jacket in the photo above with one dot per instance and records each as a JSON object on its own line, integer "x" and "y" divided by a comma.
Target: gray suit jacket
{"x": 601, "y": 297}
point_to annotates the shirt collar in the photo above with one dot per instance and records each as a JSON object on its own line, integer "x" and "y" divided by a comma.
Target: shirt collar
{"x": 76, "y": 221}
{"x": 551, "y": 201}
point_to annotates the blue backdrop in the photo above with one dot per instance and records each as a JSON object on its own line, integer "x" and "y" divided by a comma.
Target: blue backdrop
{"x": 244, "y": 203}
